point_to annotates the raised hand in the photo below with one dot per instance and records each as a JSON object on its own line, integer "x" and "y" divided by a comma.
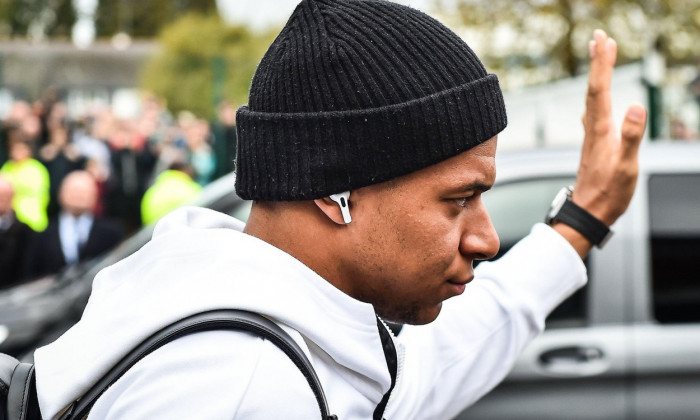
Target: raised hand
{"x": 609, "y": 166}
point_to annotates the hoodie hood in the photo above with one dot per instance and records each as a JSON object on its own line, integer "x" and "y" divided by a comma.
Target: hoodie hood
{"x": 200, "y": 260}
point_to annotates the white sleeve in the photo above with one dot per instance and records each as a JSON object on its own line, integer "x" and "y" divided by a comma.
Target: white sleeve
{"x": 210, "y": 375}
{"x": 477, "y": 337}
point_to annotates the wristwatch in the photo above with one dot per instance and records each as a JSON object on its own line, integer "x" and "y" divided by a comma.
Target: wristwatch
{"x": 564, "y": 210}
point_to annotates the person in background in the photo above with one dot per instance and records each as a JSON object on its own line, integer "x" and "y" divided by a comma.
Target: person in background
{"x": 60, "y": 157}
{"x": 89, "y": 139}
{"x": 202, "y": 156}
{"x": 173, "y": 188}
{"x": 50, "y": 112}
{"x": 92, "y": 142}
{"x": 196, "y": 135}
{"x": 13, "y": 237}
{"x": 25, "y": 118}
{"x": 30, "y": 180}
{"x": 76, "y": 234}
{"x": 225, "y": 139}
{"x": 132, "y": 163}
{"x": 19, "y": 123}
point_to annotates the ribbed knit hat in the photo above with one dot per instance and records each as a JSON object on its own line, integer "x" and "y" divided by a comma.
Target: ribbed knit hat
{"x": 356, "y": 92}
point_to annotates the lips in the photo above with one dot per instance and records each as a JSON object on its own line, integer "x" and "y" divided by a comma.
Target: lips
{"x": 458, "y": 285}
{"x": 461, "y": 281}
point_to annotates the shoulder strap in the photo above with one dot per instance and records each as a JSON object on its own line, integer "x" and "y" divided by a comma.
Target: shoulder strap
{"x": 206, "y": 321}
{"x": 17, "y": 390}
{"x": 8, "y": 364}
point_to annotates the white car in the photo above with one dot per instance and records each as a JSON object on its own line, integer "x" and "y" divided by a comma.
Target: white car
{"x": 627, "y": 346}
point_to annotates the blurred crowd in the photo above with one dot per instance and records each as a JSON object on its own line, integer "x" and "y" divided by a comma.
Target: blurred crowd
{"x": 67, "y": 183}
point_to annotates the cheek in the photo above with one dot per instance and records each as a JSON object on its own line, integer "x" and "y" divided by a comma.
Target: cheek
{"x": 403, "y": 262}
{"x": 424, "y": 245}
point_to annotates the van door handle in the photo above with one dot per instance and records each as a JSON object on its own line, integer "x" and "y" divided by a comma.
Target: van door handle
{"x": 571, "y": 354}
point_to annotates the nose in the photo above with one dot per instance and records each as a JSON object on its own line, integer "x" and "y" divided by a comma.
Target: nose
{"x": 479, "y": 238}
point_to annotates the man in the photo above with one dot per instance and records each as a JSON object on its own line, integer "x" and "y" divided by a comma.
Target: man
{"x": 76, "y": 234}
{"x": 13, "y": 237}
{"x": 60, "y": 157}
{"x": 384, "y": 102}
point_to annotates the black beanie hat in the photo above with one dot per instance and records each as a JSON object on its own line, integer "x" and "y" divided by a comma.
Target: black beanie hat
{"x": 356, "y": 92}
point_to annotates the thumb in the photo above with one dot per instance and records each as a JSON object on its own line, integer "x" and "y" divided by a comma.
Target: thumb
{"x": 633, "y": 129}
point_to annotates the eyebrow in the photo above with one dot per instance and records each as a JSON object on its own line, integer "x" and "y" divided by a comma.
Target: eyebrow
{"x": 472, "y": 186}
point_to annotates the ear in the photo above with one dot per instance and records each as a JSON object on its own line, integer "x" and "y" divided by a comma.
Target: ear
{"x": 331, "y": 209}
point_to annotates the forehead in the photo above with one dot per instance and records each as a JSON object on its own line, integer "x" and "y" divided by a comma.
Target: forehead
{"x": 77, "y": 183}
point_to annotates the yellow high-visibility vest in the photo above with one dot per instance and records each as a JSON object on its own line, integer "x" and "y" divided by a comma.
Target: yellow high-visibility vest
{"x": 30, "y": 180}
{"x": 171, "y": 190}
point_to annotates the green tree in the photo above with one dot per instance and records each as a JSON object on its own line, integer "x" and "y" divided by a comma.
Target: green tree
{"x": 55, "y": 18}
{"x": 50, "y": 18}
{"x": 144, "y": 19}
{"x": 202, "y": 61}
{"x": 64, "y": 21}
{"x": 550, "y": 37}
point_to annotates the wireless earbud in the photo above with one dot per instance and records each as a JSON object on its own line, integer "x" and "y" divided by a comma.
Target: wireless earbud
{"x": 343, "y": 201}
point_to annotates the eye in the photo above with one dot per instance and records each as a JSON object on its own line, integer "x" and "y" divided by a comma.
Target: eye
{"x": 463, "y": 201}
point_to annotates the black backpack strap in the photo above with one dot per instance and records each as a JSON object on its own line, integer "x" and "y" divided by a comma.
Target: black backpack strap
{"x": 8, "y": 364}
{"x": 225, "y": 319}
{"x": 17, "y": 390}
{"x": 7, "y": 368}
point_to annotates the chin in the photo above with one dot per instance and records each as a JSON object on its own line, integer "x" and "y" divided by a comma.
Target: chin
{"x": 412, "y": 316}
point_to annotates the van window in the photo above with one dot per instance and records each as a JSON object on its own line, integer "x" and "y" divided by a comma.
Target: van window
{"x": 514, "y": 208}
{"x": 674, "y": 212}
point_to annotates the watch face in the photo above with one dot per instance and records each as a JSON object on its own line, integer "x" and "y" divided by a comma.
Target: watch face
{"x": 558, "y": 201}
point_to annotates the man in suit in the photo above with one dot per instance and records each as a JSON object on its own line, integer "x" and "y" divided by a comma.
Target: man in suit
{"x": 76, "y": 234}
{"x": 13, "y": 237}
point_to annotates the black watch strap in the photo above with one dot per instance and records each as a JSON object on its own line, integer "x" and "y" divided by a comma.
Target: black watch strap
{"x": 593, "y": 229}
{"x": 586, "y": 224}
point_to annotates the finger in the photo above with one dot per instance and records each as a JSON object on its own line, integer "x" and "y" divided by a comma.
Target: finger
{"x": 632, "y": 130}
{"x": 598, "y": 101}
{"x": 603, "y": 56}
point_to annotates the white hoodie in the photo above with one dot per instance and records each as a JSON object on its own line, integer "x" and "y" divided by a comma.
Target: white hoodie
{"x": 200, "y": 260}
